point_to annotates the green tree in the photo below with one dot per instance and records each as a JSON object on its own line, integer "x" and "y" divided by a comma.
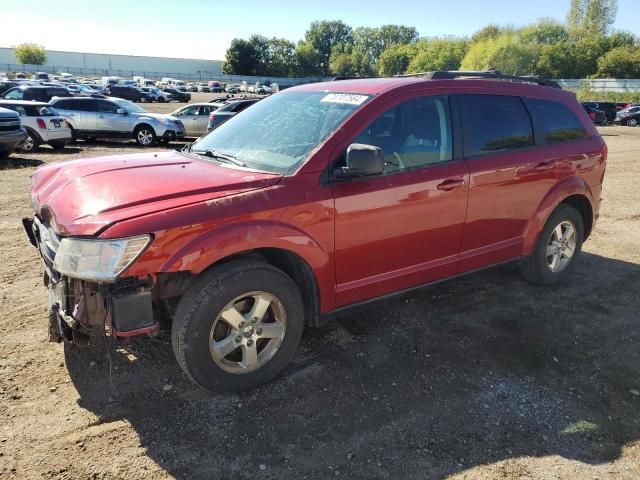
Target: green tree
{"x": 557, "y": 60}
{"x": 395, "y": 59}
{"x": 592, "y": 16}
{"x": 505, "y": 52}
{"x": 281, "y": 57}
{"x": 324, "y": 35}
{"x": 544, "y": 31}
{"x": 489, "y": 32}
{"x": 621, "y": 38}
{"x": 30, "y": 53}
{"x": 621, "y": 62}
{"x": 242, "y": 58}
{"x": 347, "y": 60}
{"x": 586, "y": 52}
{"x": 438, "y": 54}
{"x": 308, "y": 60}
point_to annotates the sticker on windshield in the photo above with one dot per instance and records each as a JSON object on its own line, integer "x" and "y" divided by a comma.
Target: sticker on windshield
{"x": 346, "y": 98}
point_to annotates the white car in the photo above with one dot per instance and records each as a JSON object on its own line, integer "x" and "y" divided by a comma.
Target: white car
{"x": 42, "y": 123}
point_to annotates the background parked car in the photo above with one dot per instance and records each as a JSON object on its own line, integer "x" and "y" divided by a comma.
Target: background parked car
{"x": 42, "y": 124}
{"x": 117, "y": 118}
{"x": 156, "y": 94}
{"x": 178, "y": 95}
{"x": 609, "y": 108}
{"x": 128, "y": 93}
{"x": 597, "y": 116}
{"x": 232, "y": 88}
{"x": 37, "y": 93}
{"x": 228, "y": 110}
{"x": 195, "y": 117}
{"x": 6, "y": 85}
{"x": 11, "y": 132}
{"x": 629, "y": 117}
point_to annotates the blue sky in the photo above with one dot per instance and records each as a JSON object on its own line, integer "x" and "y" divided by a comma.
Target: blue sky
{"x": 204, "y": 29}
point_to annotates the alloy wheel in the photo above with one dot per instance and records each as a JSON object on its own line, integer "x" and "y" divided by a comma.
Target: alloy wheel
{"x": 561, "y": 246}
{"x": 28, "y": 144}
{"x": 248, "y": 332}
{"x": 145, "y": 137}
{"x": 633, "y": 122}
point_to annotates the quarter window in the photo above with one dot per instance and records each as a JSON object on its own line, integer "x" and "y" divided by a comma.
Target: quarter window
{"x": 494, "y": 123}
{"x": 412, "y": 134}
{"x": 557, "y": 123}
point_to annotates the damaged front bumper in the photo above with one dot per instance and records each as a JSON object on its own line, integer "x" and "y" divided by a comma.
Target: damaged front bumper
{"x": 80, "y": 310}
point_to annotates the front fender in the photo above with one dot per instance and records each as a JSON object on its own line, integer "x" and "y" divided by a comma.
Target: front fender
{"x": 223, "y": 242}
{"x": 565, "y": 188}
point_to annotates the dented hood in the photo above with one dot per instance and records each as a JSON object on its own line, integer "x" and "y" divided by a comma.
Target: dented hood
{"x": 83, "y": 197}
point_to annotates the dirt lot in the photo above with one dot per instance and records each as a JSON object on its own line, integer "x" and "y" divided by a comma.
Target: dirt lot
{"x": 483, "y": 377}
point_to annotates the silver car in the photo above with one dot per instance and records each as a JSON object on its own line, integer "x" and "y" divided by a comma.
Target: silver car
{"x": 117, "y": 118}
{"x": 195, "y": 117}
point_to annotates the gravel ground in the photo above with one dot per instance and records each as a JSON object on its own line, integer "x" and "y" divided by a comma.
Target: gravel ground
{"x": 484, "y": 376}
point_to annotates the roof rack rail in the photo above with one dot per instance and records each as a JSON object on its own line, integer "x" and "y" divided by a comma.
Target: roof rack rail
{"x": 496, "y": 74}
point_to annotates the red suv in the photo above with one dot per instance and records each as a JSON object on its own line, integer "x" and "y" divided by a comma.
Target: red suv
{"x": 309, "y": 203}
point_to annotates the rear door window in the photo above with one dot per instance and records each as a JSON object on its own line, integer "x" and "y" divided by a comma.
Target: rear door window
{"x": 494, "y": 123}
{"x": 556, "y": 122}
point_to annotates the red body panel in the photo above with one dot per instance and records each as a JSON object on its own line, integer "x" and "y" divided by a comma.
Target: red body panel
{"x": 361, "y": 239}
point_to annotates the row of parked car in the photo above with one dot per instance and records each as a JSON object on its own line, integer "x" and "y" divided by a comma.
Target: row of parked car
{"x": 607, "y": 113}
{"x": 66, "y": 118}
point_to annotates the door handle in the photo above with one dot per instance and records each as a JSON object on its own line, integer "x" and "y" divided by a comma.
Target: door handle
{"x": 450, "y": 184}
{"x": 544, "y": 166}
{"x": 72, "y": 114}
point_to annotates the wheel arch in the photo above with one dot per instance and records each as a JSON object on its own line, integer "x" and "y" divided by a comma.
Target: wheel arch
{"x": 288, "y": 248}
{"x": 572, "y": 191}
{"x": 33, "y": 132}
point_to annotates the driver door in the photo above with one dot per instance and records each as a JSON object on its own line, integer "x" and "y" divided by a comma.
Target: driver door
{"x": 402, "y": 228}
{"x": 108, "y": 120}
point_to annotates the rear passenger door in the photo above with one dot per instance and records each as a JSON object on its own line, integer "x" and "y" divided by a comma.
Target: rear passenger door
{"x": 80, "y": 114}
{"x": 509, "y": 177}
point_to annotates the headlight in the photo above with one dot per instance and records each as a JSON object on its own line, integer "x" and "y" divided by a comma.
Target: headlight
{"x": 98, "y": 260}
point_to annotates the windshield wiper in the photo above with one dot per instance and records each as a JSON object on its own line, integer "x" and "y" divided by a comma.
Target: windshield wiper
{"x": 219, "y": 156}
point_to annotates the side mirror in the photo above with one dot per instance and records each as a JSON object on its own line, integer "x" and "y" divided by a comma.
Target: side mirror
{"x": 362, "y": 161}
{"x": 121, "y": 111}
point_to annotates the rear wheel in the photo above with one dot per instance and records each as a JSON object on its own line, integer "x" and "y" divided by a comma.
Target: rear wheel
{"x": 238, "y": 326}
{"x": 558, "y": 248}
{"x": 145, "y": 135}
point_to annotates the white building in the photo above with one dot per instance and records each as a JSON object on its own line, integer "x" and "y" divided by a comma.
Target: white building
{"x": 99, "y": 64}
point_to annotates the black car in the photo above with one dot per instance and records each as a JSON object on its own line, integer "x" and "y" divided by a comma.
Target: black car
{"x": 610, "y": 109}
{"x": 598, "y": 117}
{"x": 37, "y": 93}
{"x": 4, "y": 86}
{"x": 629, "y": 117}
{"x": 228, "y": 110}
{"x": 11, "y": 132}
{"x": 128, "y": 93}
{"x": 178, "y": 95}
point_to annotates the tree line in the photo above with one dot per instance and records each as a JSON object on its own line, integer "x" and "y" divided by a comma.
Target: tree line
{"x": 582, "y": 47}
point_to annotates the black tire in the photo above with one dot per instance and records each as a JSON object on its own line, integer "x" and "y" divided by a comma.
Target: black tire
{"x": 31, "y": 144}
{"x": 200, "y": 306}
{"x": 144, "y": 135}
{"x": 632, "y": 122}
{"x": 161, "y": 99}
{"x": 58, "y": 145}
{"x": 535, "y": 268}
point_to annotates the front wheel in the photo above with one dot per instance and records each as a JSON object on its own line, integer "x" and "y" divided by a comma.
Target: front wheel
{"x": 145, "y": 136}
{"x": 632, "y": 122}
{"x": 238, "y": 327}
{"x": 558, "y": 248}
{"x": 31, "y": 144}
